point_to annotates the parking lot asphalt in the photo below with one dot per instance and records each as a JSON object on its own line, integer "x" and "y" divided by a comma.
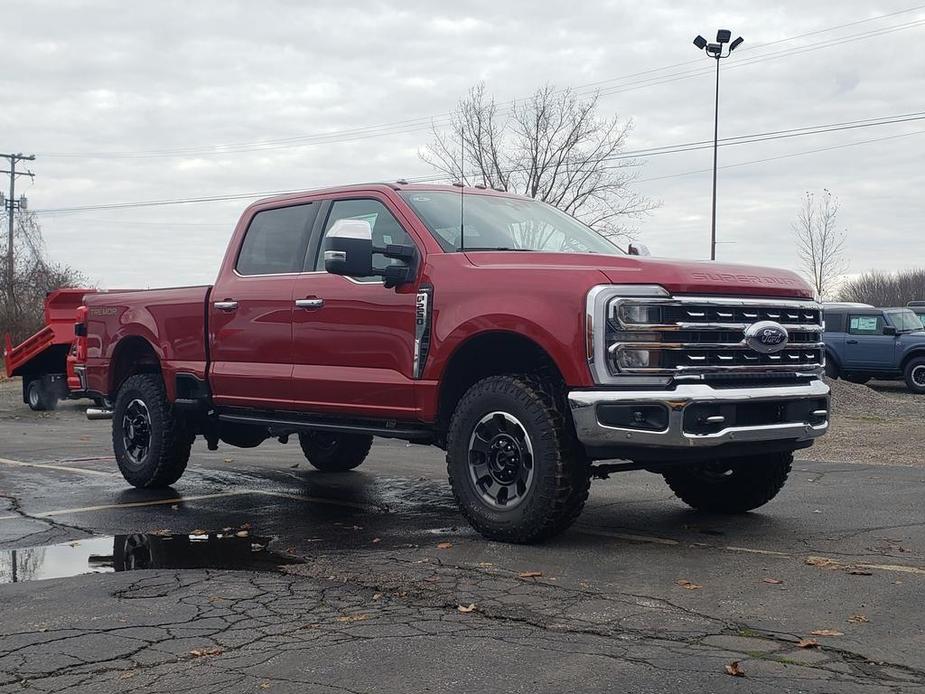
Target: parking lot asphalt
{"x": 372, "y": 582}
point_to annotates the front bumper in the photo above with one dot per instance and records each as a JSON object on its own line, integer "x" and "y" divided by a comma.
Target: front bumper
{"x": 698, "y": 416}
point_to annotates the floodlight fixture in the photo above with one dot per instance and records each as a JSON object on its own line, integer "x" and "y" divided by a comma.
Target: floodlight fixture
{"x": 723, "y": 36}
{"x": 700, "y": 42}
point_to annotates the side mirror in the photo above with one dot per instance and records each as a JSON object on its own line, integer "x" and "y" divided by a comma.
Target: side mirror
{"x": 348, "y": 248}
{"x": 889, "y": 330}
{"x": 638, "y": 249}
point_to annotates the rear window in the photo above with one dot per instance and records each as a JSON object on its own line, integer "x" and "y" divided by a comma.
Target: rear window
{"x": 276, "y": 240}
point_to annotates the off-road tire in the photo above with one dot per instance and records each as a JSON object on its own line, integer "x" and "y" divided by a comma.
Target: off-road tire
{"x": 335, "y": 452}
{"x": 169, "y": 447}
{"x": 913, "y": 371}
{"x": 752, "y": 482}
{"x": 560, "y": 469}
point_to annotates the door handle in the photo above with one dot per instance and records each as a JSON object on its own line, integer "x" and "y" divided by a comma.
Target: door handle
{"x": 851, "y": 342}
{"x": 227, "y": 305}
{"x": 314, "y": 302}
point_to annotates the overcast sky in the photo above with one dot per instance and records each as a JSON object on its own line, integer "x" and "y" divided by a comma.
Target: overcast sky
{"x": 126, "y": 102}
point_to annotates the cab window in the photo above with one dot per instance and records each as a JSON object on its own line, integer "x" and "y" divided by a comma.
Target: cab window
{"x": 866, "y": 324}
{"x": 276, "y": 240}
{"x": 386, "y": 229}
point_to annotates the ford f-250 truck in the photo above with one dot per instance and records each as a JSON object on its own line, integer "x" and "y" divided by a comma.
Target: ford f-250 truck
{"x": 494, "y": 326}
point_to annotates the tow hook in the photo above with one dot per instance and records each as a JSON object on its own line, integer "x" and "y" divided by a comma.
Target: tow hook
{"x": 98, "y": 413}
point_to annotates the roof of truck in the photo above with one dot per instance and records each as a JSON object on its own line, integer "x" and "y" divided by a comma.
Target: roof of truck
{"x": 399, "y": 185}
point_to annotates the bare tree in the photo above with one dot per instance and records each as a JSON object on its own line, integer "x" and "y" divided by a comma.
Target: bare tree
{"x": 885, "y": 288}
{"x": 552, "y": 146}
{"x": 22, "y": 296}
{"x": 820, "y": 242}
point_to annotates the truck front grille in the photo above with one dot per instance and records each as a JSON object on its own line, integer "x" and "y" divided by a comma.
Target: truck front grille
{"x": 697, "y": 335}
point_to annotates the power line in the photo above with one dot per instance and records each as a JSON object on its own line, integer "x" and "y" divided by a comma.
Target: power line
{"x": 630, "y": 155}
{"x": 423, "y": 123}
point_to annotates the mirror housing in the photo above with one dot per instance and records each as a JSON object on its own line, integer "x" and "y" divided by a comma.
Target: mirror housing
{"x": 889, "y": 330}
{"x": 638, "y": 249}
{"x": 348, "y": 250}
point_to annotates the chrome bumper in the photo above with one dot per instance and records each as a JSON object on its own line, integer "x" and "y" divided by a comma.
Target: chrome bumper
{"x": 592, "y": 433}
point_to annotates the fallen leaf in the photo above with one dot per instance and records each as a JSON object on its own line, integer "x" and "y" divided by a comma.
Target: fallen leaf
{"x": 127, "y": 674}
{"x": 858, "y": 619}
{"x": 377, "y": 540}
{"x": 466, "y": 609}
{"x": 823, "y": 563}
{"x": 444, "y": 545}
{"x": 688, "y": 585}
{"x": 211, "y": 650}
{"x": 827, "y": 632}
{"x": 377, "y": 596}
{"x": 808, "y": 643}
{"x": 160, "y": 532}
{"x": 241, "y": 533}
{"x": 229, "y": 460}
{"x": 245, "y": 526}
{"x": 174, "y": 507}
{"x": 353, "y": 618}
{"x": 199, "y": 531}
{"x": 734, "y": 669}
{"x": 264, "y": 685}
{"x": 531, "y": 574}
{"x": 772, "y": 581}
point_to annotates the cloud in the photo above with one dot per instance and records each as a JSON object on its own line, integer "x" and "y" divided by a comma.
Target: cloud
{"x": 97, "y": 78}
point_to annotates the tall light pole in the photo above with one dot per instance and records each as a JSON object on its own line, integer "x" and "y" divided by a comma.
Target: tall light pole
{"x": 10, "y": 206}
{"x": 715, "y": 51}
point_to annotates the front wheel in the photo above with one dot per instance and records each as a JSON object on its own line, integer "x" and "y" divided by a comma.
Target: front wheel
{"x": 150, "y": 444}
{"x": 514, "y": 467}
{"x": 915, "y": 375}
{"x": 733, "y": 485}
{"x": 331, "y": 452}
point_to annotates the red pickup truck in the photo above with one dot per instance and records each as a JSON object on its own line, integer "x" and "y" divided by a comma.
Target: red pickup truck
{"x": 490, "y": 325}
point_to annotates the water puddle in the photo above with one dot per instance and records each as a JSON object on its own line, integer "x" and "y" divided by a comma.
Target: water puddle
{"x": 231, "y": 549}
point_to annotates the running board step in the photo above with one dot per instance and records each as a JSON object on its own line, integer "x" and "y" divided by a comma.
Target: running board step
{"x": 282, "y": 426}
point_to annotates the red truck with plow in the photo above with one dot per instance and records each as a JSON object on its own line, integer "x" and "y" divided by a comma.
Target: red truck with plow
{"x": 45, "y": 361}
{"x": 490, "y": 325}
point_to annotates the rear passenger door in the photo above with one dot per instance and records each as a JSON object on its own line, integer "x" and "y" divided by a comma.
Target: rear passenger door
{"x": 250, "y": 314}
{"x": 866, "y": 347}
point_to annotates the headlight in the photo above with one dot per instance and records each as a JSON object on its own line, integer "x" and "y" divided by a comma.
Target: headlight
{"x": 617, "y": 338}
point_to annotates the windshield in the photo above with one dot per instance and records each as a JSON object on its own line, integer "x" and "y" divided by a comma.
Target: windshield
{"x": 493, "y": 222}
{"x": 905, "y": 320}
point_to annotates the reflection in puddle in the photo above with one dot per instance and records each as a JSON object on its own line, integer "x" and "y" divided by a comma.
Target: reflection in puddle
{"x": 219, "y": 550}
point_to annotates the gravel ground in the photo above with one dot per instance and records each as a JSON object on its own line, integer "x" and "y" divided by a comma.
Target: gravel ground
{"x": 881, "y": 423}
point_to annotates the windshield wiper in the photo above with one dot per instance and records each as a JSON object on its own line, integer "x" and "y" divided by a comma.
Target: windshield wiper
{"x": 496, "y": 248}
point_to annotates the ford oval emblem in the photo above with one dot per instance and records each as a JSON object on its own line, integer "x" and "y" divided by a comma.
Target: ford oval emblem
{"x": 766, "y": 336}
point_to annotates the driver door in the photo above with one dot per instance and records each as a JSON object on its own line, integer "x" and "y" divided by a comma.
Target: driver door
{"x": 353, "y": 340}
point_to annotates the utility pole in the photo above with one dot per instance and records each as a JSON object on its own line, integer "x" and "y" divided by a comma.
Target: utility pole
{"x": 10, "y": 206}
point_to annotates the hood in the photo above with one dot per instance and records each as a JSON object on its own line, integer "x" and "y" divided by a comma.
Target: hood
{"x": 677, "y": 276}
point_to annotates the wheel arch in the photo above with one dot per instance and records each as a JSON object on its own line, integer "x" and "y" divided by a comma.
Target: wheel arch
{"x": 916, "y": 353}
{"x": 132, "y": 355}
{"x": 490, "y": 353}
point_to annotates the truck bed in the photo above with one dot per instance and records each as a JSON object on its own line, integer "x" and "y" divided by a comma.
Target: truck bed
{"x": 173, "y": 322}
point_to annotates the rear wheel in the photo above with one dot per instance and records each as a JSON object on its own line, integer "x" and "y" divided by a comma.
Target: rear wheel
{"x": 35, "y": 396}
{"x": 733, "y": 485}
{"x": 514, "y": 467}
{"x": 915, "y": 375}
{"x": 150, "y": 444}
{"x": 330, "y": 452}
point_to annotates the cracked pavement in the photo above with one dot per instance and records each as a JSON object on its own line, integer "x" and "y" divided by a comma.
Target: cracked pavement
{"x": 374, "y": 604}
